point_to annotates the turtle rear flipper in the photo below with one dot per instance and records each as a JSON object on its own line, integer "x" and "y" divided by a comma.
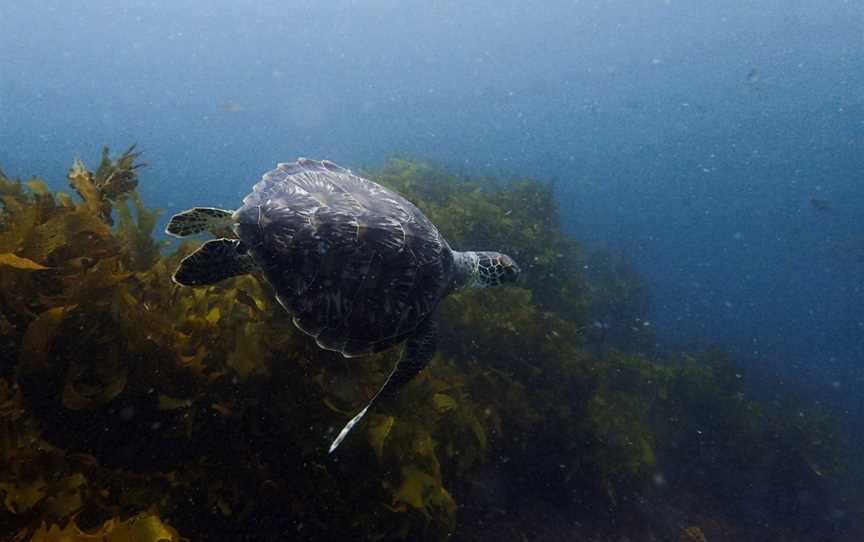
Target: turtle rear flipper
{"x": 216, "y": 260}
{"x": 417, "y": 353}
{"x": 199, "y": 220}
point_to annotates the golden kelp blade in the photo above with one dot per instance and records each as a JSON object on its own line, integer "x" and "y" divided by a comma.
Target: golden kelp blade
{"x": 141, "y": 528}
{"x": 20, "y": 263}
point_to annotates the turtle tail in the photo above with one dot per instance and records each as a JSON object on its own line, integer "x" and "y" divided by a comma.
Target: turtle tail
{"x": 198, "y": 220}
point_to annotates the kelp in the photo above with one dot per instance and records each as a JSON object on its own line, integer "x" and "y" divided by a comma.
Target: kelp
{"x": 111, "y": 183}
{"x": 131, "y": 407}
{"x": 141, "y": 528}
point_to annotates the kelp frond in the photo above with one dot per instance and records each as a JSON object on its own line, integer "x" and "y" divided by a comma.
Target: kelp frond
{"x": 126, "y": 396}
{"x": 141, "y": 528}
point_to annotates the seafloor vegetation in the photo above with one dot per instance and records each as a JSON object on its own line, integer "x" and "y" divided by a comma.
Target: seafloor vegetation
{"x": 131, "y": 408}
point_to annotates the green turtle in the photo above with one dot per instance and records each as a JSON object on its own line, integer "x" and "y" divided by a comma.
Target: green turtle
{"x": 358, "y": 266}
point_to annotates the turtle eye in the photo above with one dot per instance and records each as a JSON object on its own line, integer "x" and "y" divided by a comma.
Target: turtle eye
{"x": 510, "y": 272}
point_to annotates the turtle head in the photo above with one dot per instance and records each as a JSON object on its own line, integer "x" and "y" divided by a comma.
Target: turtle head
{"x": 492, "y": 269}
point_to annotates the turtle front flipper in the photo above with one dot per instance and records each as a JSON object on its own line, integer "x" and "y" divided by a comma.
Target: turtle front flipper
{"x": 216, "y": 260}
{"x": 418, "y": 352}
{"x": 199, "y": 220}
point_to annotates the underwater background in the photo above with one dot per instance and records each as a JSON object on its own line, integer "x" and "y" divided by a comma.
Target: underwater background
{"x": 682, "y": 183}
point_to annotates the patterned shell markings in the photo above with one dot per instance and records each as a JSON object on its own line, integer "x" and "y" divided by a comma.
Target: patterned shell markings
{"x": 357, "y": 265}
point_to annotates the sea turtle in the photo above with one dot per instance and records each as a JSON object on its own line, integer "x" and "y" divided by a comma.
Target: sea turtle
{"x": 358, "y": 266}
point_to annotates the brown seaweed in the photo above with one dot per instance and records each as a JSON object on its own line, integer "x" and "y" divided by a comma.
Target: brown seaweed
{"x": 128, "y": 403}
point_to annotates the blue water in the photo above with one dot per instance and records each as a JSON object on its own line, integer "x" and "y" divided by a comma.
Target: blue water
{"x": 704, "y": 140}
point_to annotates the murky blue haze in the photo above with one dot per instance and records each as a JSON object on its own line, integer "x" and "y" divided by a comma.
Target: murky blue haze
{"x": 720, "y": 145}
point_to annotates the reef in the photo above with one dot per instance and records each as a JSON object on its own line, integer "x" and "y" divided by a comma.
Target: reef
{"x": 131, "y": 408}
